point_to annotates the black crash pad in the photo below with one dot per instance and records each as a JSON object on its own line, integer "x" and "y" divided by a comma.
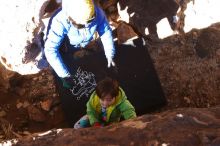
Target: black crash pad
{"x": 135, "y": 73}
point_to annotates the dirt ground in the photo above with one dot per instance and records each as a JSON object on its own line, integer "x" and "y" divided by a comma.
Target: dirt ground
{"x": 188, "y": 67}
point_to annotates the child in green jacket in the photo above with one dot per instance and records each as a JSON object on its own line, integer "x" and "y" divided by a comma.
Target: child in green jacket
{"x": 107, "y": 104}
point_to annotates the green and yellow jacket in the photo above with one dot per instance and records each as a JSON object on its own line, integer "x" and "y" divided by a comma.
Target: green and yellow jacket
{"x": 120, "y": 108}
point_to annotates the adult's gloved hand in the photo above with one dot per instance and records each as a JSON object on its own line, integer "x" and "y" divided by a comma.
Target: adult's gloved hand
{"x": 68, "y": 82}
{"x": 110, "y": 62}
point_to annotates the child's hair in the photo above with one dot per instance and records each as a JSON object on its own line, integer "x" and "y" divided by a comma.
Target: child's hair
{"x": 107, "y": 86}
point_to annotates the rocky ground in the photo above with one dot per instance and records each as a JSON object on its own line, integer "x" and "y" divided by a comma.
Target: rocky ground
{"x": 179, "y": 127}
{"x": 188, "y": 66}
{"x": 31, "y": 106}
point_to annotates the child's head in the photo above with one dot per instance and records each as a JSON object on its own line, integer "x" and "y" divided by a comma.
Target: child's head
{"x": 107, "y": 90}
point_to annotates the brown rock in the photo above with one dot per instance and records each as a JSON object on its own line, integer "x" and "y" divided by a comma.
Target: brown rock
{"x": 182, "y": 71}
{"x": 36, "y": 114}
{"x": 124, "y": 33}
{"x": 46, "y": 105}
{"x": 180, "y": 127}
{"x": 2, "y": 114}
{"x": 20, "y": 91}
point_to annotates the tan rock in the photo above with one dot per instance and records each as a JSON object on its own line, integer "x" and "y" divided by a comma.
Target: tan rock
{"x": 46, "y": 105}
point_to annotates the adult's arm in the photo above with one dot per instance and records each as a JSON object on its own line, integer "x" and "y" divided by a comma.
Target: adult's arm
{"x": 55, "y": 37}
{"x": 105, "y": 33}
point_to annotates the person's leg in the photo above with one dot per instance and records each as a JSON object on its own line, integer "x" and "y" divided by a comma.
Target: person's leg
{"x": 82, "y": 123}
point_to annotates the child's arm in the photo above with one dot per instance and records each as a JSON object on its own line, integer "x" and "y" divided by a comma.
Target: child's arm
{"x": 127, "y": 110}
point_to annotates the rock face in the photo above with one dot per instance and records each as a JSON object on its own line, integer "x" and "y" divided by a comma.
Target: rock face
{"x": 5, "y": 76}
{"x": 176, "y": 128}
{"x": 189, "y": 67}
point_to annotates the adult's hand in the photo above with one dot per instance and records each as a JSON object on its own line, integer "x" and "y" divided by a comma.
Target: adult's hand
{"x": 68, "y": 82}
{"x": 110, "y": 62}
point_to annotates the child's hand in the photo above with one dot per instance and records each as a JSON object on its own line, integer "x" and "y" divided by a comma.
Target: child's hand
{"x": 96, "y": 124}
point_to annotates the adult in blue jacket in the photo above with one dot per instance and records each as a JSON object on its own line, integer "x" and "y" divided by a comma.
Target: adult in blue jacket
{"x": 78, "y": 20}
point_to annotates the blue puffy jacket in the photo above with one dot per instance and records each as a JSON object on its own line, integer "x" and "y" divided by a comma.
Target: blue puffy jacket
{"x": 61, "y": 27}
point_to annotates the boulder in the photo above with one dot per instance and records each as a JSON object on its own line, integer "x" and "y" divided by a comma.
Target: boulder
{"x": 180, "y": 127}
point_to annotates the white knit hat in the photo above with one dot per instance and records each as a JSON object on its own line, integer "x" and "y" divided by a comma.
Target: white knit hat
{"x": 81, "y": 11}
